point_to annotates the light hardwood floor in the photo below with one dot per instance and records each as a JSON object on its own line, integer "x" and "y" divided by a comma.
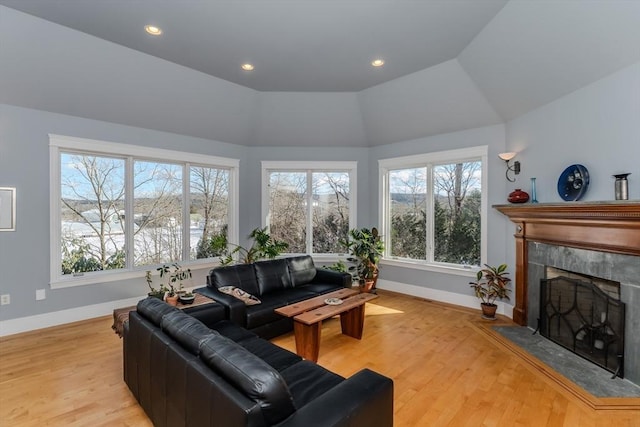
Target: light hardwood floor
{"x": 447, "y": 370}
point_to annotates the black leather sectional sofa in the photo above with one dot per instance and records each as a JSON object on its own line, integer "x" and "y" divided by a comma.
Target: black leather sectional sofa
{"x": 184, "y": 373}
{"x": 275, "y": 283}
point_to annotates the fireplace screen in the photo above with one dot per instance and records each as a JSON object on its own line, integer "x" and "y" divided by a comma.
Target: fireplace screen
{"x": 582, "y": 318}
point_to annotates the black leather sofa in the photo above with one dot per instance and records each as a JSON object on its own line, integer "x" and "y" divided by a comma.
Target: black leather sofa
{"x": 185, "y": 374}
{"x": 275, "y": 283}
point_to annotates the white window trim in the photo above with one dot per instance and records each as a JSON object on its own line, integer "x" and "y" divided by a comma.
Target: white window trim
{"x": 58, "y": 143}
{"x": 418, "y": 160}
{"x": 312, "y": 166}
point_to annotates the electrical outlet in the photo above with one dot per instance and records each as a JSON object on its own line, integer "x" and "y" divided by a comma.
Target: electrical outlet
{"x": 5, "y": 299}
{"x": 40, "y": 294}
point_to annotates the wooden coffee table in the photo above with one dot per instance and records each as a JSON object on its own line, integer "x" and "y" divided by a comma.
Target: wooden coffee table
{"x": 309, "y": 314}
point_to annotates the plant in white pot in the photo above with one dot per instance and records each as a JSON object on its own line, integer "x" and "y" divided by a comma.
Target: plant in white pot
{"x": 491, "y": 284}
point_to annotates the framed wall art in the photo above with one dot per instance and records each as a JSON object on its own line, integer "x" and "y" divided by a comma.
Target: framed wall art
{"x": 7, "y": 209}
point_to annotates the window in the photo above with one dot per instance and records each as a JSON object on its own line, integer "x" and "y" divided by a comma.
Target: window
{"x": 309, "y": 205}
{"x": 157, "y": 212}
{"x": 432, "y": 207}
{"x": 118, "y": 209}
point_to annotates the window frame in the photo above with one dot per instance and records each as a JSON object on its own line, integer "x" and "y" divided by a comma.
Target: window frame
{"x": 67, "y": 144}
{"x": 478, "y": 153}
{"x": 309, "y": 168}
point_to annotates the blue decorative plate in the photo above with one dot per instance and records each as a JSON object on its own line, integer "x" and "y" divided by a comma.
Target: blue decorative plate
{"x": 573, "y": 183}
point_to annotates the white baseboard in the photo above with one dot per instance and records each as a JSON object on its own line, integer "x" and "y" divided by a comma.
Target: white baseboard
{"x": 45, "y": 320}
{"x": 469, "y": 301}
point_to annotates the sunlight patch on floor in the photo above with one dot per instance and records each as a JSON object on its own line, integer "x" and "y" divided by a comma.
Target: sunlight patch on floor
{"x": 377, "y": 310}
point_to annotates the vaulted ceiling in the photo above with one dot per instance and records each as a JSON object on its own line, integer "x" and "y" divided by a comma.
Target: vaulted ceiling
{"x": 449, "y": 65}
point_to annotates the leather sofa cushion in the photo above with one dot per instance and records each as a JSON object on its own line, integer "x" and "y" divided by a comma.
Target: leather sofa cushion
{"x": 272, "y": 275}
{"x": 301, "y": 269}
{"x": 278, "y": 358}
{"x": 154, "y": 309}
{"x": 185, "y": 330}
{"x": 264, "y": 313}
{"x": 232, "y": 331}
{"x": 242, "y": 276}
{"x": 307, "y": 381}
{"x": 249, "y": 374}
{"x": 320, "y": 288}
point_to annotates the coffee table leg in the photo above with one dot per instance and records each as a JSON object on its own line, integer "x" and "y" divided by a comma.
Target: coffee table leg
{"x": 352, "y": 322}
{"x": 307, "y": 340}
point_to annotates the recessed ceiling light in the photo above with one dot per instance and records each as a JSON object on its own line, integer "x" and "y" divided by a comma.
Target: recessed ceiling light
{"x": 377, "y": 62}
{"x": 247, "y": 67}
{"x": 153, "y": 30}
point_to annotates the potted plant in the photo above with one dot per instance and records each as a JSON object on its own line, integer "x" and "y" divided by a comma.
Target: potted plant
{"x": 366, "y": 248}
{"x": 491, "y": 284}
{"x": 338, "y": 266}
{"x": 185, "y": 297}
{"x": 172, "y": 297}
{"x": 175, "y": 274}
{"x": 263, "y": 247}
{"x": 153, "y": 292}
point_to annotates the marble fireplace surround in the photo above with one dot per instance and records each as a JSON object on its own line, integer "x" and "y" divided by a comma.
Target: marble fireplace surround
{"x": 601, "y": 239}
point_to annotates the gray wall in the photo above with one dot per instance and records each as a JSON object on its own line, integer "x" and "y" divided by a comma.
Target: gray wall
{"x": 24, "y": 164}
{"x": 597, "y": 126}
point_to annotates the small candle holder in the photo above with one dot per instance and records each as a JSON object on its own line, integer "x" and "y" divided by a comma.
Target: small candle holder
{"x": 534, "y": 195}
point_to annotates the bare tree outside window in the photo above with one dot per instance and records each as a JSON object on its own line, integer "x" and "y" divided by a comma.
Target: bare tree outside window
{"x": 287, "y": 209}
{"x": 208, "y": 212}
{"x": 330, "y": 211}
{"x": 455, "y": 219}
{"x": 92, "y": 213}
{"x": 119, "y": 210}
{"x": 408, "y": 213}
{"x": 457, "y": 197}
{"x": 157, "y": 208}
{"x": 312, "y": 199}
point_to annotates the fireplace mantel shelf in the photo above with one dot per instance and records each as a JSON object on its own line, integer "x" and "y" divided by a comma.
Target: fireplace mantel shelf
{"x": 612, "y": 226}
{"x": 573, "y": 210}
{"x": 599, "y": 226}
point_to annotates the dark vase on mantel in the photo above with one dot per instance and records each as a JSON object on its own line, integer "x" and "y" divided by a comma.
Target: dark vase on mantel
{"x": 518, "y": 196}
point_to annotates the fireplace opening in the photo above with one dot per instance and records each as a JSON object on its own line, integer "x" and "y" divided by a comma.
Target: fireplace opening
{"x": 584, "y": 315}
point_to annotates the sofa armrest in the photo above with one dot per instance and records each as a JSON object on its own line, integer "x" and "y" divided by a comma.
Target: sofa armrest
{"x": 235, "y": 309}
{"x": 330, "y": 276}
{"x": 363, "y": 400}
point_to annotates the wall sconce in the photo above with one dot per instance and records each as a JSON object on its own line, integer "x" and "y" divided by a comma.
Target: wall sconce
{"x": 516, "y": 165}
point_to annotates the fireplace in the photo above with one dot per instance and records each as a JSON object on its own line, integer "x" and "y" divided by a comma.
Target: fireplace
{"x": 600, "y": 239}
{"x": 585, "y": 319}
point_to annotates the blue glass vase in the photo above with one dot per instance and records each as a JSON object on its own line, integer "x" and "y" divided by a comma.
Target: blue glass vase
{"x": 534, "y": 196}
